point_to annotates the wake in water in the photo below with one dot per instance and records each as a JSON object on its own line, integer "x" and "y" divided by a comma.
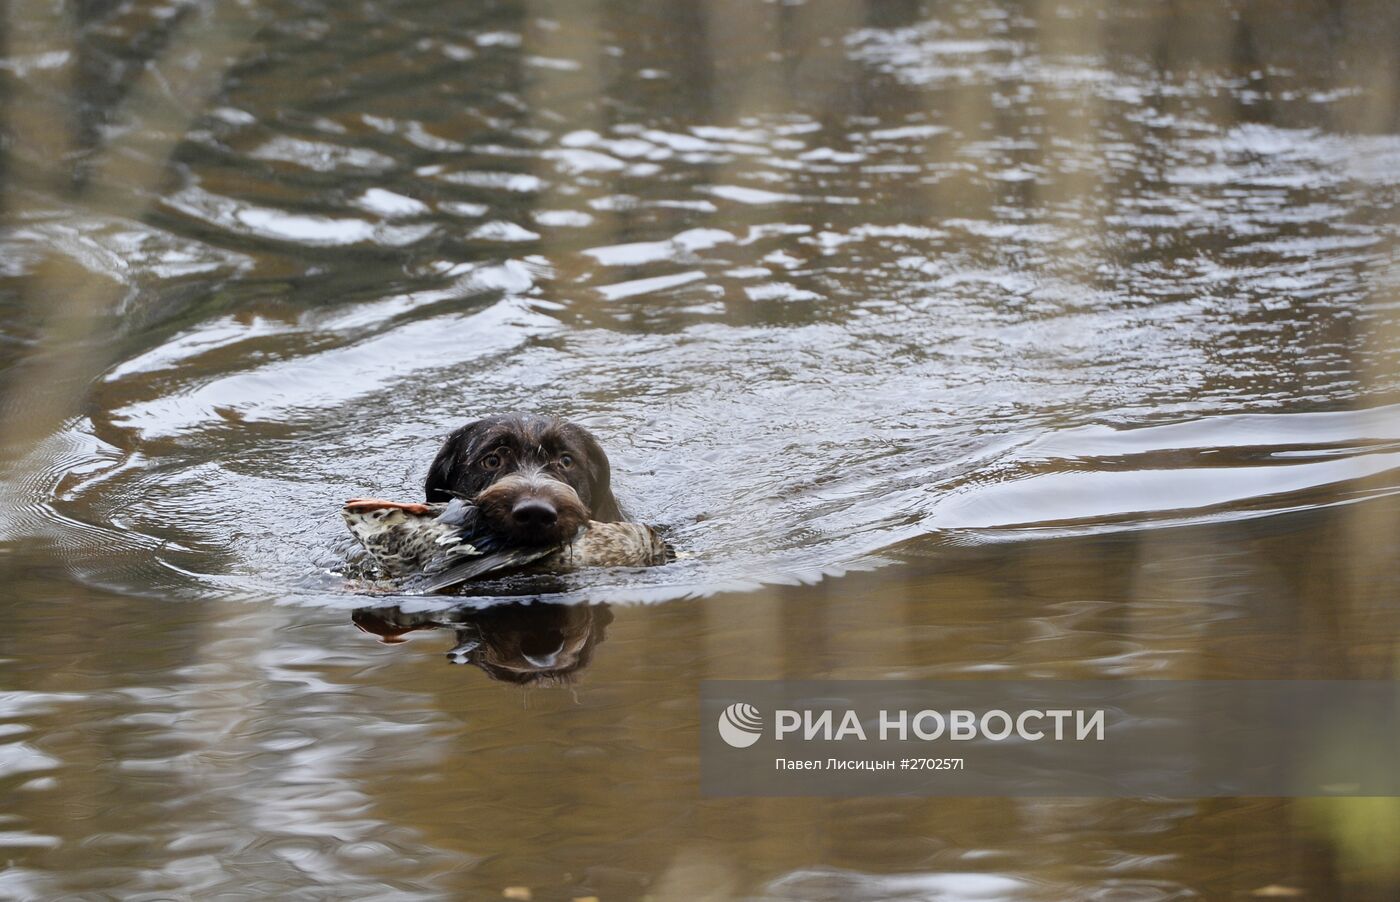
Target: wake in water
{"x": 1083, "y": 480}
{"x": 804, "y": 336}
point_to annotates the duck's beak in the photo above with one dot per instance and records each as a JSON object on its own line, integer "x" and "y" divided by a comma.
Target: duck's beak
{"x": 366, "y": 505}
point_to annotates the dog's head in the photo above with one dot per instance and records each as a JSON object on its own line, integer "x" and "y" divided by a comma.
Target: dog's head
{"x": 536, "y": 479}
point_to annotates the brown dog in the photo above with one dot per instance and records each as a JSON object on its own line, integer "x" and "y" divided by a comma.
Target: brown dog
{"x": 536, "y": 479}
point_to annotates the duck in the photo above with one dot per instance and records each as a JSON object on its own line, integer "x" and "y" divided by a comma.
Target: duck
{"x": 448, "y": 543}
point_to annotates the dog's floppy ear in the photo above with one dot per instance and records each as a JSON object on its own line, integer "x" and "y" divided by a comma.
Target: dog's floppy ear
{"x": 437, "y": 486}
{"x": 603, "y": 506}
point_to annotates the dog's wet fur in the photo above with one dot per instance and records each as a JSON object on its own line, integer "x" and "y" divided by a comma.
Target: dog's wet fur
{"x": 536, "y": 479}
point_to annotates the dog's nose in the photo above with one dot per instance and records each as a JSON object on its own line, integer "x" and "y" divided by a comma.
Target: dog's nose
{"x": 534, "y": 513}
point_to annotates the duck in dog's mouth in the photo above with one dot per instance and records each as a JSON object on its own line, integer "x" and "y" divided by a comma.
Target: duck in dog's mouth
{"x": 503, "y": 493}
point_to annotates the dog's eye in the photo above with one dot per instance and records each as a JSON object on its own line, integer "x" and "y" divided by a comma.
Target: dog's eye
{"x": 491, "y": 461}
{"x": 566, "y": 460}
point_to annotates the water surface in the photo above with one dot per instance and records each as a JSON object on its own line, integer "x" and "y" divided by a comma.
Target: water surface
{"x": 955, "y": 339}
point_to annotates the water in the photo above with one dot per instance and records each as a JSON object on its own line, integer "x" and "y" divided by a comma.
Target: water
{"x": 1036, "y": 340}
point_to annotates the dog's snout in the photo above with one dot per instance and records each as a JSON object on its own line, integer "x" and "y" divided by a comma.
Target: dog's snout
{"x": 534, "y": 513}
{"x": 532, "y": 510}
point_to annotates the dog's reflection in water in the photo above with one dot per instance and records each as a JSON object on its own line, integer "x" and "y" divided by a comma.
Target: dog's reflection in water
{"x": 525, "y": 644}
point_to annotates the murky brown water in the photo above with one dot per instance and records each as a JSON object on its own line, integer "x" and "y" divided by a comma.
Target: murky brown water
{"x": 967, "y": 339}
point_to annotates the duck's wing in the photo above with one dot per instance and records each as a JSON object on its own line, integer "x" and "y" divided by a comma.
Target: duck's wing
{"x": 477, "y": 551}
{"x": 458, "y": 512}
{"x": 465, "y": 518}
{"x": 503, "y": 559}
